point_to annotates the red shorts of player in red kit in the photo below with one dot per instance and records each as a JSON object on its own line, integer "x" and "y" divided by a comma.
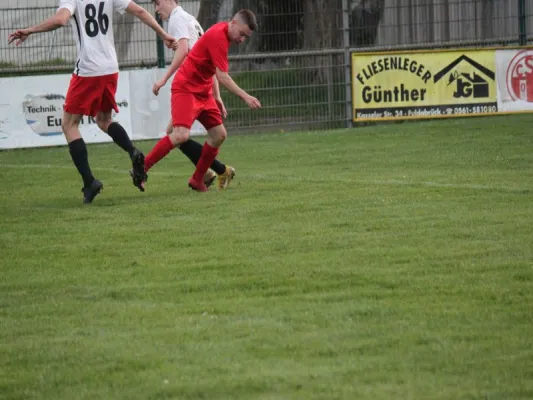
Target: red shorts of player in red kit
{"x": 192, "y": 86}
{"x": 87, "y": 95}
{"x": 187, "y": 107}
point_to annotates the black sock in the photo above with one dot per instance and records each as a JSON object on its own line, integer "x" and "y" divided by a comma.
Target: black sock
{"x": 78, "y": 152}
{"x": 120, "y": 137}
{"x": 218, "y": 167}
{"x": 193, "y": 150}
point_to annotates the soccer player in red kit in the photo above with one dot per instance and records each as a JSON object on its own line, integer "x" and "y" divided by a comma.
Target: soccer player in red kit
{"x": 187, "y": 30}
{"x": 94, "y": 81}
{"x": 194, "y": 93}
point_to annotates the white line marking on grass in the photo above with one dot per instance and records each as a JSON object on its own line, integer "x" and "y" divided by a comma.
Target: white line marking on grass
{"x": 390, "y": 182}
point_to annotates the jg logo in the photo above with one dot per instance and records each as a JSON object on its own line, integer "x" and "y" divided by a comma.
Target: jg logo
{"x": 471, "y": 82}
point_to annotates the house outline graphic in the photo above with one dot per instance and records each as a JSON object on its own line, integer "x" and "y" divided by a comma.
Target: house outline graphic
{"x": 467, "y": 84}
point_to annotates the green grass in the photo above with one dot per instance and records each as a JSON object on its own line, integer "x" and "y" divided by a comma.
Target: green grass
{"x": 389, "y": 262}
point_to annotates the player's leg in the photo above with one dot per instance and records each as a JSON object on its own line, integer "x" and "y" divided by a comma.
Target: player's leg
{"x": 104, "y": 119}
{"x": 105, "y": 122}
{"x": 225, "y": 176}
{"x": 165, "y": 145}
{"x": 78, "y": 152}
{"x": 185, "y": 109}
{"x": 211, "y": 119}
{"x": 215, "y": 137}
{"x": 81, "y": 98}
{"x": 193, "y": 150}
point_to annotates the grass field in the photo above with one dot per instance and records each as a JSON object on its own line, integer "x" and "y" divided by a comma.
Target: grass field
{"x": 389, "y": 262}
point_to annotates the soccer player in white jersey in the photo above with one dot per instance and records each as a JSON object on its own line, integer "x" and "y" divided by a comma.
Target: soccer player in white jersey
{"x": 183, "y": 27}
{"x": 93, "y": 84}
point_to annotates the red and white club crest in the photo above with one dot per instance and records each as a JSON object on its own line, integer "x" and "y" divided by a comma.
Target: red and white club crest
{"x": 520, "y": 76}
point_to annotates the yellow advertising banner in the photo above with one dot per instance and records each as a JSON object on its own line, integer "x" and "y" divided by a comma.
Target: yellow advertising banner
{"x": 439, "y": 84}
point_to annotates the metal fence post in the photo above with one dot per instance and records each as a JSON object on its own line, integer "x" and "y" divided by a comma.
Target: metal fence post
{"x": 522, "y": 36}
{"x": 329, "y": 81}
{"x": 160, "y": 47}
{"x": 347, "y": 62}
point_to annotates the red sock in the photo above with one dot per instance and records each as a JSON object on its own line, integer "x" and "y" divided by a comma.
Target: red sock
{"x": 160, "y": 150}
{"x": 206, "y": 159}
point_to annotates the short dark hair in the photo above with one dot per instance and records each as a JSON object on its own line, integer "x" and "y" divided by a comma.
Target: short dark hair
{"x": 247, "y": 17}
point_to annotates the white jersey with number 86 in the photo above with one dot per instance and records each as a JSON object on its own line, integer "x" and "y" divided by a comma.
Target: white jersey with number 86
{"x": 92, "y": 27}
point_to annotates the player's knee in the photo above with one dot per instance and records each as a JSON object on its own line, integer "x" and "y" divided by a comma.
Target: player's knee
{"x": 103, "y": 121}
{"x": 69, "y": 122}
{"x": 219, "y": 135}
{"x": 65, "y": 125}
{"x": 223, "y": 135}
{"x": 179, "y": 136}
{"x": 182, "y": 137}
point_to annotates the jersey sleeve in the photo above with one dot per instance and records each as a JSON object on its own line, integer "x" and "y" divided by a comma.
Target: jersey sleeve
{"x": 121, "y": 5}
{"x": 219, "y": 55}
{"x": 178, "y": 28}
{"x": 68, "y": 4}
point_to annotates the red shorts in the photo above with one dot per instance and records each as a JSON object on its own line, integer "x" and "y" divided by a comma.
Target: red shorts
{"x": 87, "y": 95}
{"x": 186, "y": 107}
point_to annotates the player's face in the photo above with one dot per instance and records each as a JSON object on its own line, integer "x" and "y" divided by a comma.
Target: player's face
{"x": 240, "y": 32}
{"x": 163, "y": 8}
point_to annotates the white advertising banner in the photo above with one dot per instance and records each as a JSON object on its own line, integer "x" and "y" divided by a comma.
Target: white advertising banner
{"x": 515, "y": 80}
{"x": 32, "y": 107}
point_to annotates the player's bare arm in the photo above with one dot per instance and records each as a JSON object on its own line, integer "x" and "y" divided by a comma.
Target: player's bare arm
{"x": 147, "y": 18}
{"x": 218, "y": 98}
{"x": 179, "y": 55}
{"x": 226, "y": 81}
{"x": 216, "y": 88}
{"x": 58, "y": 20}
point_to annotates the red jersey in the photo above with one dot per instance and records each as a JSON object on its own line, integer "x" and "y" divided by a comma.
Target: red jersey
{"x": 195, "y": 75}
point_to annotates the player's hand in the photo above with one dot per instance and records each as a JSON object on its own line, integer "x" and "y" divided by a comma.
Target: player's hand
{"x": 170, "y": 42}
{"x": 158, "y": 85}
{"x": 221, "y": 107}
{"x": 19, "y": 35}
{"x": 252, "y": 102}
